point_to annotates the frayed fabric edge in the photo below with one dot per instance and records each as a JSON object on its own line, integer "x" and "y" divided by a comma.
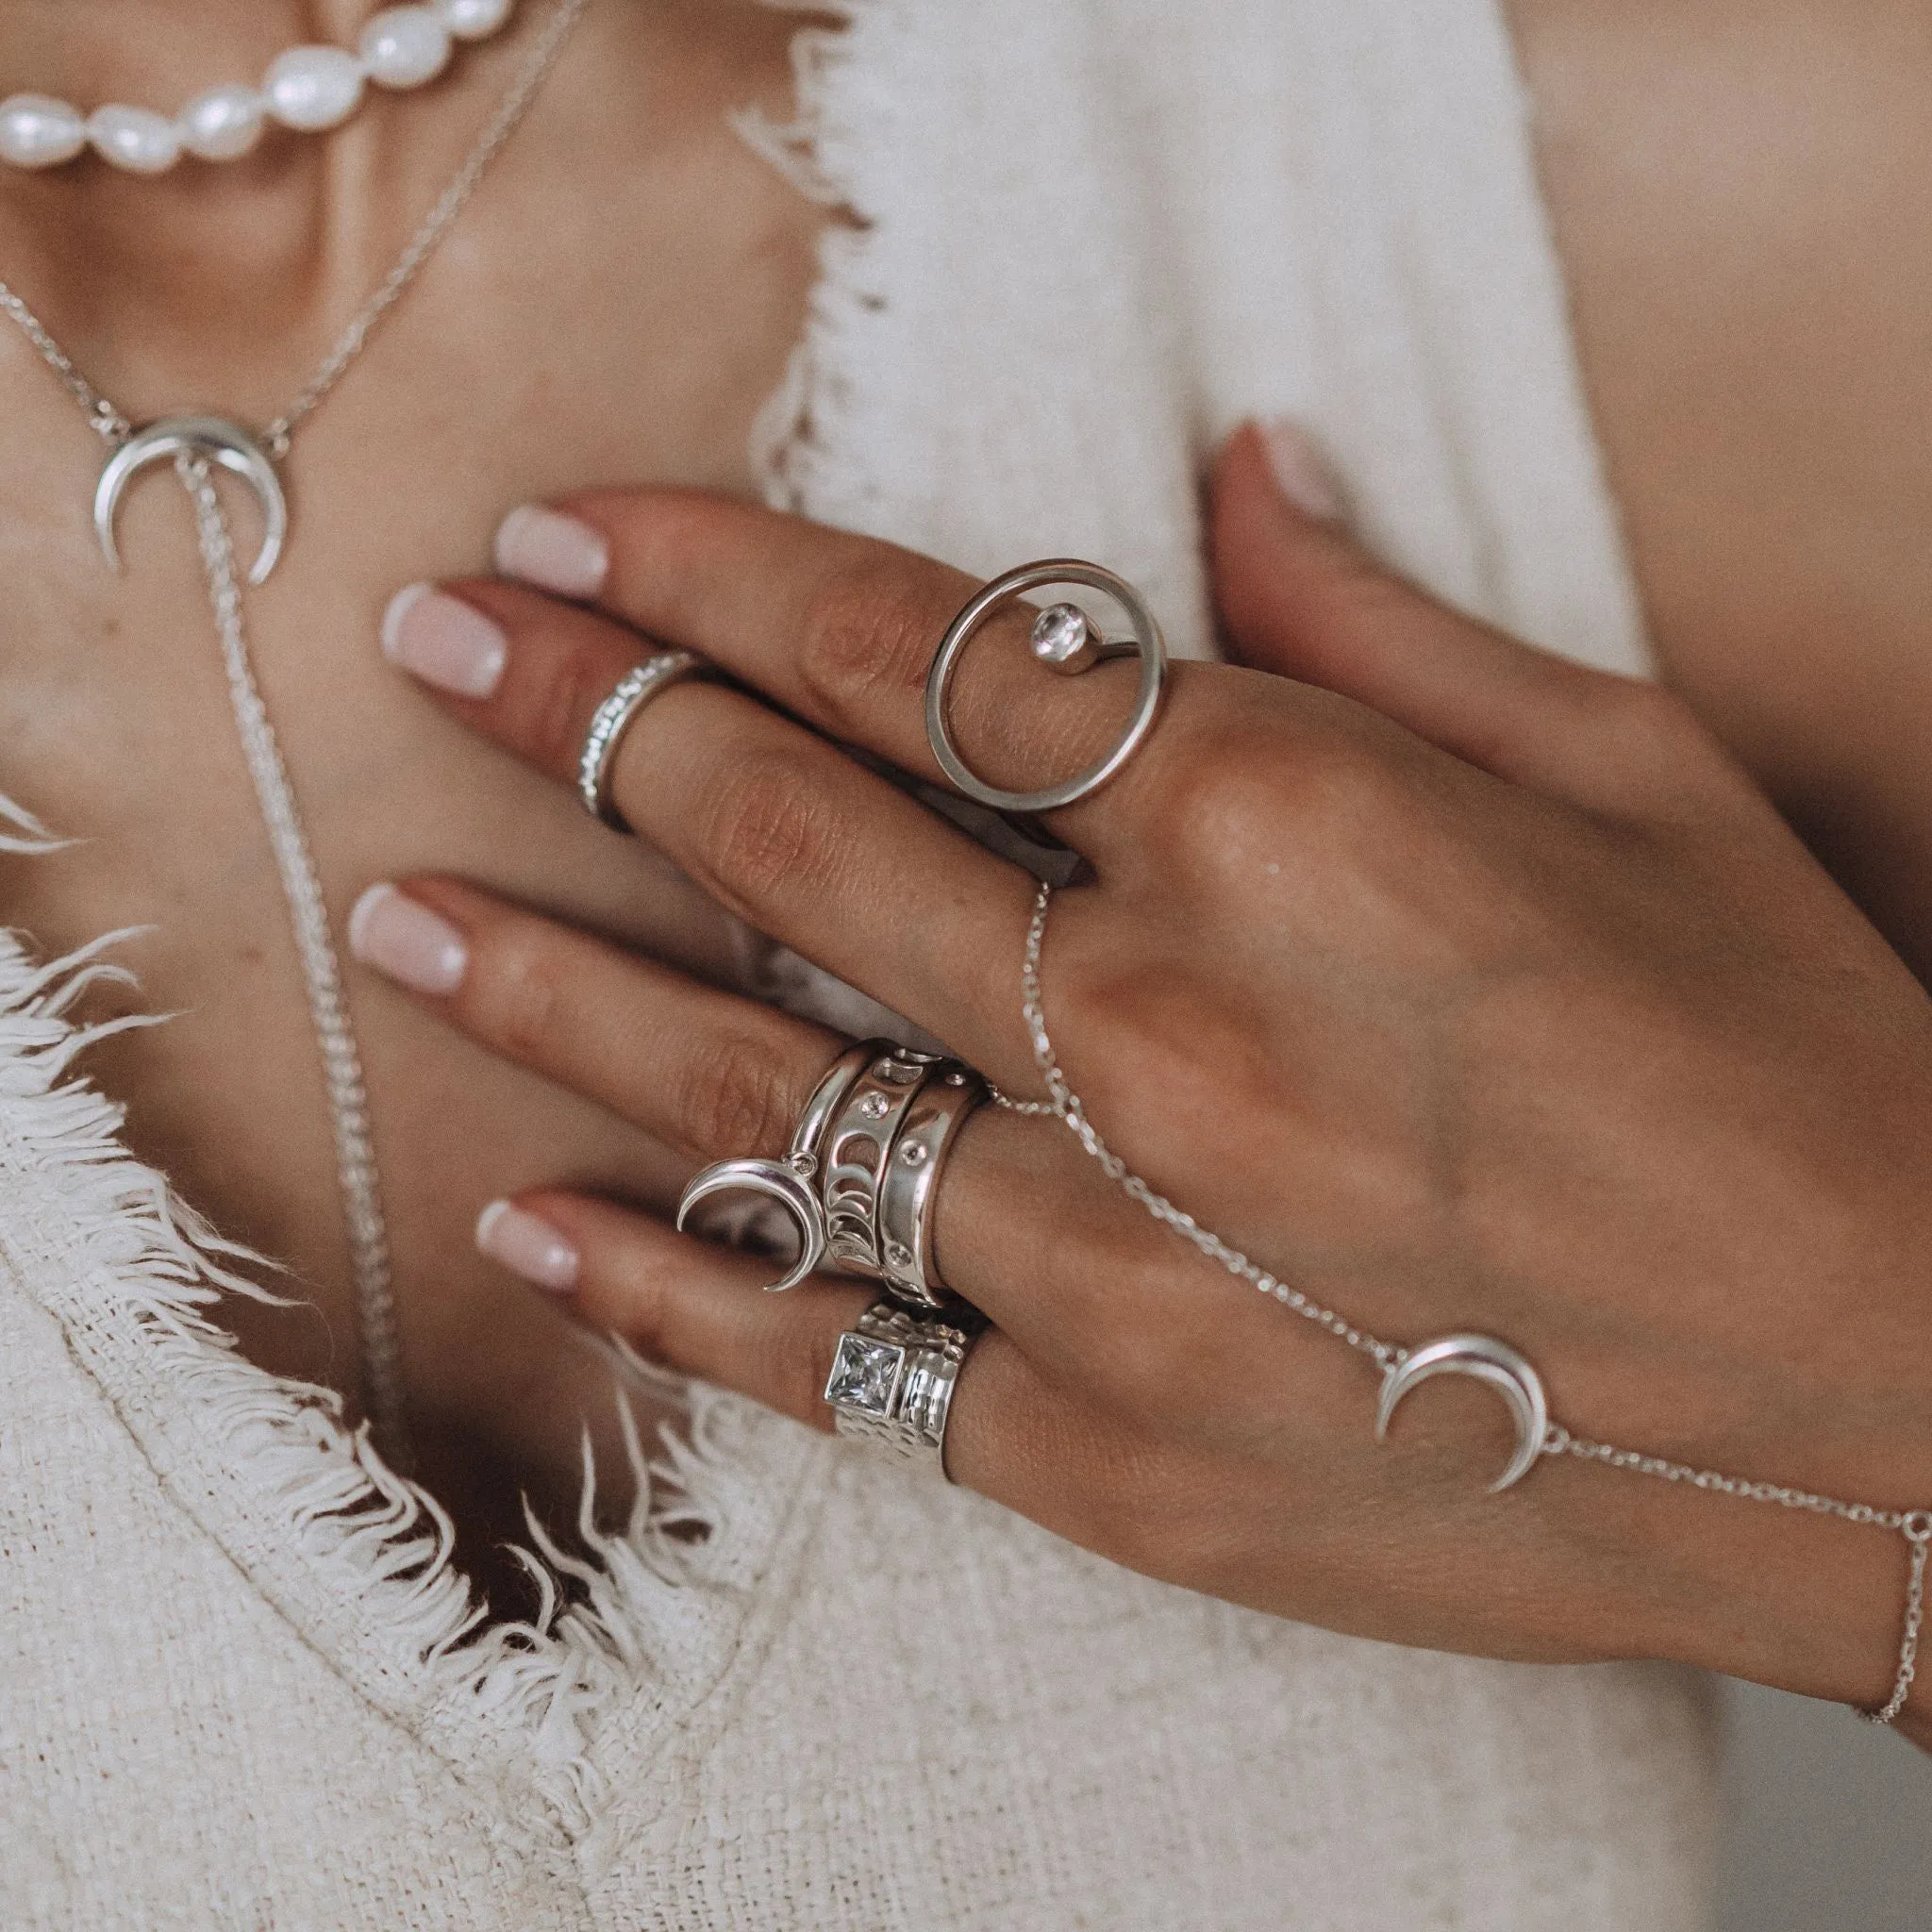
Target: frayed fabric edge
{"x": 339, "y": 1536}
{"x": 844, "y": 103}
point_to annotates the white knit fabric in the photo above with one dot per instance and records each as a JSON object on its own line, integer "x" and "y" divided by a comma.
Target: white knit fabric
{"x": 238, "y": 1682}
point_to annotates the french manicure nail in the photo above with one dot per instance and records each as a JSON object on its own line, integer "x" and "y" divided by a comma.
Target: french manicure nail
{"x": 444, "y": 641}
{"x": 1301, "y": 472}
{"x": 407, "y": 942}
{"x": 526, "y": 1247}
{"x": 544, "y": 547}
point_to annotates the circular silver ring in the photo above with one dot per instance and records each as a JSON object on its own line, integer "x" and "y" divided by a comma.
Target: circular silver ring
{"x": 909, "y": 1190}
{"x": 892, "y": 1381}
{"x": 615, "y": 716}
{"x": 1081, "y": 651}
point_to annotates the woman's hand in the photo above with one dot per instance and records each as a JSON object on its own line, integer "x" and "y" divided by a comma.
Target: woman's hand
{"x": 1464, "y": 988}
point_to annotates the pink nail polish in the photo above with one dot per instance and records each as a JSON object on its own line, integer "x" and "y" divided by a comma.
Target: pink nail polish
{"x": 544, "y": 547}
{"x": 526, "y": 1247}
{"x": 444, "y": 641}
{"x": 407, "y": 942}
{"x": 1302, "y": 473}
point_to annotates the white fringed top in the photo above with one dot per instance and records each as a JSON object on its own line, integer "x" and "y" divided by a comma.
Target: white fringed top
{"x": 236, "y": 1688}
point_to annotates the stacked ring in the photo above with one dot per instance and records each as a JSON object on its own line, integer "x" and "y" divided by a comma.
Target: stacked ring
{"x": 861, "y": 1178}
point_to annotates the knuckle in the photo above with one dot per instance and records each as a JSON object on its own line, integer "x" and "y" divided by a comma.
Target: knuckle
{"x": 734, "y": 1100}
{"x": 515, "y": 994}
{"x": 861, "y": 644}
{"x": 767, "y": 831}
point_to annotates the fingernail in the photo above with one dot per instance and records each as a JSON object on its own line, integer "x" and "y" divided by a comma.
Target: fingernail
{"x": 1302, "y": 474}
{"x": 527, "y": 1246}
{"x": 407, "y": 942}
{"x": 444, "y": 641}
{"x": 544, "y": 547}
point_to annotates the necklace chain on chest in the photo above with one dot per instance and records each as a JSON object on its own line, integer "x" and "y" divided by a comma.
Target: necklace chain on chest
{"x": 196, "y": 446}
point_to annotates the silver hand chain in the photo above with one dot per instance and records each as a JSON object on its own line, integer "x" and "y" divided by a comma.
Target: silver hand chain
{"x": 1064, "y": 1105}
{"x": 358, "y": 1173}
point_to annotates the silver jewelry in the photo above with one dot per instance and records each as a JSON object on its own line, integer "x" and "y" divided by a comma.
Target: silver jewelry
{"x": 615, "y": 716}
{"x": 857, "y": 1152}
{"x": 1065, "y": 641}
{"x": 909, "y": 1185}
{"x": 892, "y": 1381}
{"x": 1489, "y": 1360}
{"x": 861, "y": 1178}
{"x": 309, "y": 88}
{"x": 787, "y": 1183}
{"x": 194, "y": 443}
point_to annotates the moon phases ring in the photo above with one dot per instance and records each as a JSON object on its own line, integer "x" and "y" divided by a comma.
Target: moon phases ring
{"x": 892, "y": 1381}
{"x": 1065, "y": 641}
{"x": 615, "y": 716}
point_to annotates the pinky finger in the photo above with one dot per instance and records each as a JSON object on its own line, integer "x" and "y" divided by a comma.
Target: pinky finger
{"x": 701, "y": 1310}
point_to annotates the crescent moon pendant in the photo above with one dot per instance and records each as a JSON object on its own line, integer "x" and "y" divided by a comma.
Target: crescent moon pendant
{"x": 775, "y": 1180}
{"x": 1487, "y": 1360}
{"x": 221, "y": 442}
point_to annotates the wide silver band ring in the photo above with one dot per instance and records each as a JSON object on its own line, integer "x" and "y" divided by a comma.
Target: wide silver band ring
{"x": 892, "y": 1381}
{"x": 1148, "y": 645}
{"x": 909, "y": 1188}
{"x": 615, "y": 716}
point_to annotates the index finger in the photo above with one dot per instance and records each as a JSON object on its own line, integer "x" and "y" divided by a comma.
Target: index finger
{"x": 838, "y": 629}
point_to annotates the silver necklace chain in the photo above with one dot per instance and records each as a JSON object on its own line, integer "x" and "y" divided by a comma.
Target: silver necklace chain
{"x": 1064, "y": 1105}
{"x": 358, "y": 1173}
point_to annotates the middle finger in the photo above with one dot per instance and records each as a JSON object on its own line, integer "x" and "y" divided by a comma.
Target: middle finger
{"x": 789, "y": 832}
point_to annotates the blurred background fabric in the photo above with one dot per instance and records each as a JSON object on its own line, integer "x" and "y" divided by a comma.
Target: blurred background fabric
{"x": 1831, "y": 1822}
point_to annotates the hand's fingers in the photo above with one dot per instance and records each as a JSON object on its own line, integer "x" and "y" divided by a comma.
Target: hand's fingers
{"x": 783, "y": 828}
{"x": 705, "y": 1073}
{"x": 840, "y": 629}
{"x": 1021, "y": 1439}
{"x": 1301, "y": 597}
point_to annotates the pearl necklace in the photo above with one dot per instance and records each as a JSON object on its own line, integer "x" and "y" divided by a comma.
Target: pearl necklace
{"x": 309, "y": 88}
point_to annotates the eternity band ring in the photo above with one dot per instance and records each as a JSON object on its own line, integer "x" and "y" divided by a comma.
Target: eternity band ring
{"x": 615, "y": 716}
{"x": 892, "y": 1381}
{"x": 1065, "y": 641}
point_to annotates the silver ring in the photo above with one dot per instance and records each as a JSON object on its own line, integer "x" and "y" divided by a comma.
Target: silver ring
{"x": 909, "y": 1190}
{"x": 615, "y": 716}
{"x": 1064, "y": 640}
{"x": 789, "y": 1183}
{"x": 892, "y": 1381}
{"x": 856, "y": 1151}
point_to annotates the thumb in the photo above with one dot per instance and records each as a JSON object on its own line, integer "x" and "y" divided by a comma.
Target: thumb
{"x": 1300, "y": 596}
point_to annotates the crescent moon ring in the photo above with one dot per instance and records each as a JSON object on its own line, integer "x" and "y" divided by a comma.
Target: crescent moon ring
{"x": 221, "y": 442}
{"x": 1488, "y": 1360}
{"x": 775, "y": 1180}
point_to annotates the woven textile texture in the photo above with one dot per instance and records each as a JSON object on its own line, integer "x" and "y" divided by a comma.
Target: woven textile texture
{"x": 240, "y": 1683}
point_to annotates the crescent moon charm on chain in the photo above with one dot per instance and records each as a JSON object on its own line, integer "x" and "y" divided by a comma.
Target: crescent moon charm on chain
{"x": 1488, "y": 1360}
{"x": 787, "y": 1182}
{"x": 222, "y": 443}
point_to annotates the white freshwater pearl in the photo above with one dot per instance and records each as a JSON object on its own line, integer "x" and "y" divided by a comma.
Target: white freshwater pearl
{"x": 403, "y": 46}
{"x": 37, "y": 131}
{"x": 221, "y": 125}
{"x": 136, "y": 139}
{"x": 314, "y": 88}
{"x": 473, "y": 20}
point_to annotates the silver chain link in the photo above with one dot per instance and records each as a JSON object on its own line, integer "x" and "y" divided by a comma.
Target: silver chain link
{"x": 357, "y": 1170}
{"x": 1064, "y": 1105}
